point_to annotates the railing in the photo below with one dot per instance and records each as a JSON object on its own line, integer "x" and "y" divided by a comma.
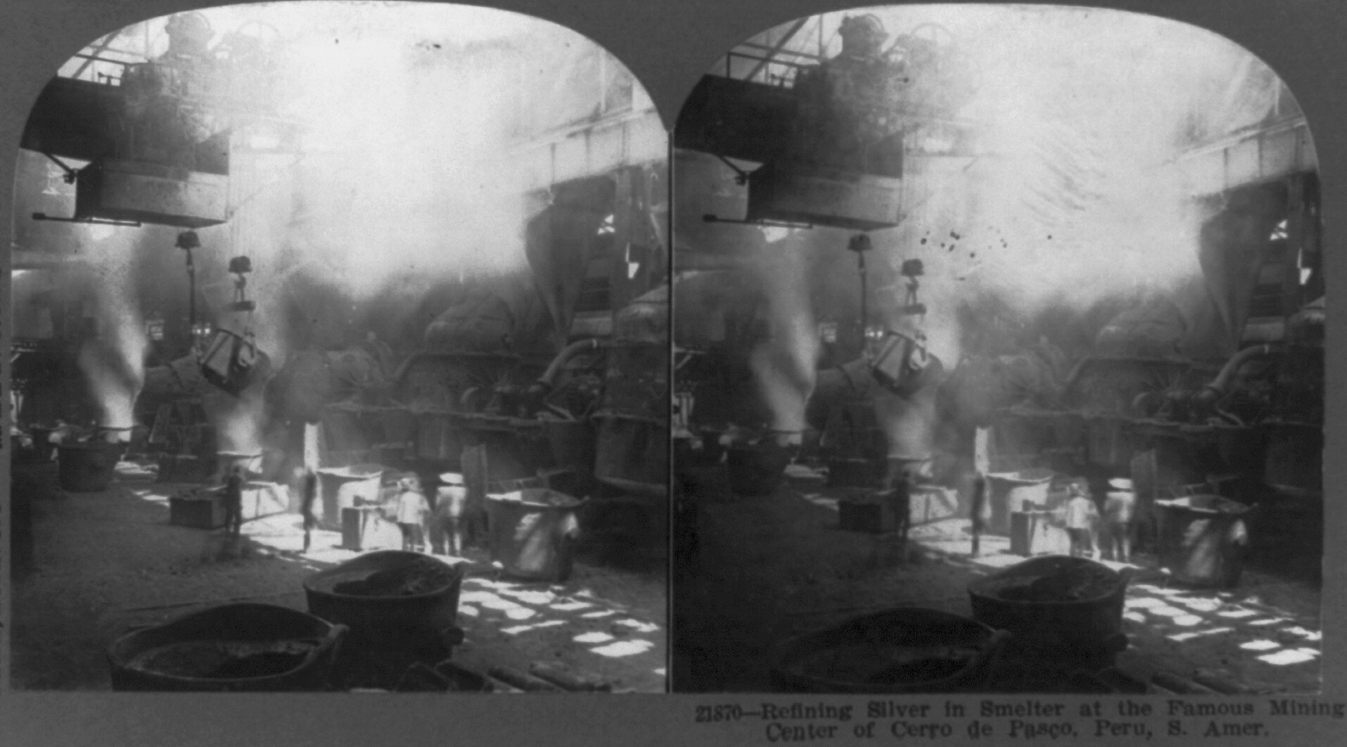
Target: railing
{"x": 766, "y": 66}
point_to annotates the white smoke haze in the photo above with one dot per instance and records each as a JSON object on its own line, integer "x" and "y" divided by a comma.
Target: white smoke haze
{"x": 784, "y": 365}
{"x": 408, "y": 169}
{"x": 113, "y": 361}
{"x": 1074, "y": 195}
{"x": 407, "y": 176}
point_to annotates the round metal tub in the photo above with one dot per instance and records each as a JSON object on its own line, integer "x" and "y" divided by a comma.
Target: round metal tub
{"x": 387, "y": 593}
{"x": 243, "y": 647}
{"x": 401, "y": 608}
{"x": 759, "y": 468}
{"x": 87, "y": 467}
{"x": 1054, "y": 602}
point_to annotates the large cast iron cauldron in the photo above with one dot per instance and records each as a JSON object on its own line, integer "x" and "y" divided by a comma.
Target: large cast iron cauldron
{"x": 245, "y": 647}
{"x": 1068, "y": 606}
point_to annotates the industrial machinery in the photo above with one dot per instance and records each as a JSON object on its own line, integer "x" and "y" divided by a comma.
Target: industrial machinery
{"x": 544, "y": 371}
{"x": 814, "y": 140}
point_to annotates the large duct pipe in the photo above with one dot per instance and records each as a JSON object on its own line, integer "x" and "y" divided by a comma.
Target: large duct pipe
{"x": 1204, "y": 401}
{"x": 549, "y": 377}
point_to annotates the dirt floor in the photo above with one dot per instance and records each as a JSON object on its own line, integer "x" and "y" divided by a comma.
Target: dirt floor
{"x": 104, "y": 563}
{"x": 770, "y": 567}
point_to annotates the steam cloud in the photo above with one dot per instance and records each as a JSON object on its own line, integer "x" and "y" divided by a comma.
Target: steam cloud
{"x": 784, "y": 364}
{"x": 1075, "y": 194}
{"x": 407, "y": 179}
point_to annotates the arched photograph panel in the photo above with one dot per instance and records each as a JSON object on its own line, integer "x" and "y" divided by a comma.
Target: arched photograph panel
{"x": 1000, "y": 337}
{"x": 340, "y": 358}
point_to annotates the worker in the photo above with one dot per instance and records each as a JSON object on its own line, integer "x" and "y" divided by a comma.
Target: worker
{"x": 862, "y": 37}
{"x": 1119, "y": 514}
{"x": 1081, "y": 516}
{"x": 310, "y": 495}
{"x": 847, "y": 116}
{"x": 412, "y": 510}
{"x": 897, "y": 492}
{"x": 167, "y": 101}
{"x": 233, "y": 502}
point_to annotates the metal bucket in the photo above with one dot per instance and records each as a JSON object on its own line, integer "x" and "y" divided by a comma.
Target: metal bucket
{"x": 533, "y": 533}
{"x": 87, "y": 467}
{"x": 244, "y": 647}
{"x": 1014, "y": 492}
{"x": 1068, "y": 606}
{"x": 1203, "y": 539}
{"x": 903, "y": 650}
{"x": 346, "y": 487}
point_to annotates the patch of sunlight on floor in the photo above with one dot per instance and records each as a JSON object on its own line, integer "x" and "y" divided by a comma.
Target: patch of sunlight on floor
{"x": 1187, "y": 621}
{"x": 570, "y": 605}
{"x": 593, "y": 637}
{"x": 493, "y": 602}
{"x": 598, "y": 614}
{"x": 1237, "y": 614}
{"x": 1135, "y": 617}
{"x": 1269, "y": 621}
{"x": 997, "y": 561}
{"x": 528, "y": 596}
{"x": 1290, "y": 656}
{"x": 638, "y": 626}
{"x": 520, "y": 613}
{"x": 1143, "y": 602}
{"x": 1199, "y": 604}
{"x": 624, "y": 648}
{"x": 1151, "y": 588}
{"x": 517, "y": 629}
{"x": 660, "y": 672}
{"x": 468, "y": 610}
{"x": 1309, "y": 635}
{"x": 1188, "y": 636}
{"x": 1262, "y": 644}
{"x": 1166, "y": 610}
{"x": 468, "y": 595}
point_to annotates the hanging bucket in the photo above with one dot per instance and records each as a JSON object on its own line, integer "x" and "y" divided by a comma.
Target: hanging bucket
{"x": 903, "y": 365}
{"x": 233, "y": 362}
